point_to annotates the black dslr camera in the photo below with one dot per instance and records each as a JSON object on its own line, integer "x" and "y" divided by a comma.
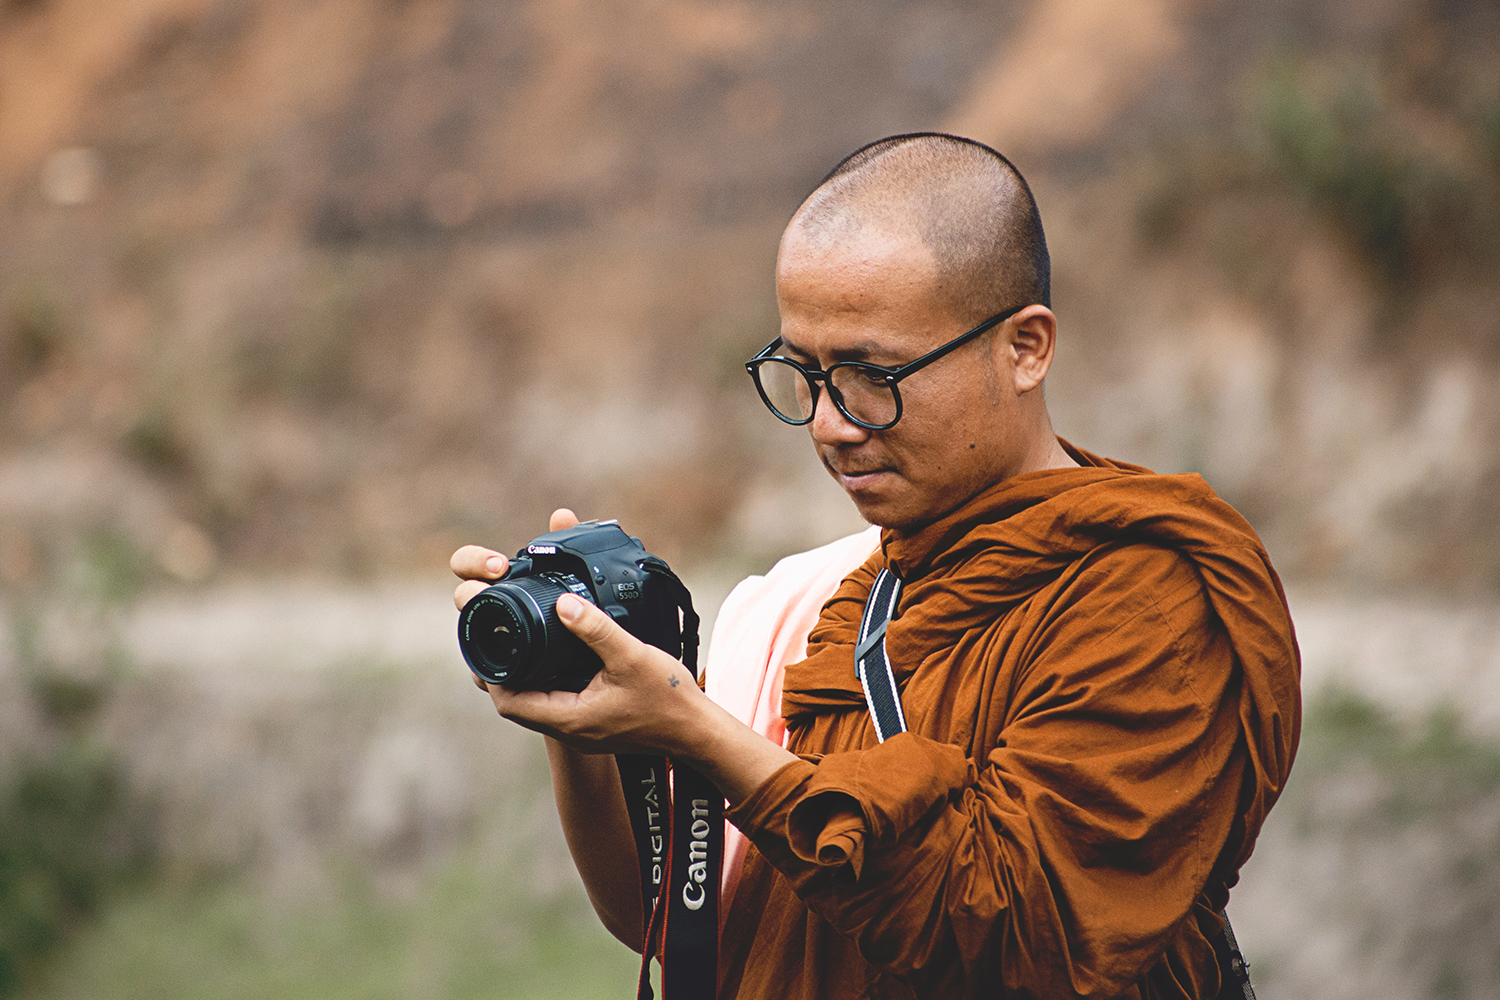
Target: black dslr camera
{"x": 510, "y": 633}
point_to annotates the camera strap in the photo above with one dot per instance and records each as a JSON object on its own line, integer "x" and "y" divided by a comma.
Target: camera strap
{"x": 677, "y": 819}
{"x": 870, "y": 661}
{"x": 883, "y": 699}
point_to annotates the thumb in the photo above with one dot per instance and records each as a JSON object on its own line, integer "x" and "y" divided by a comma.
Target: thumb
{"x": 602, "y": 633}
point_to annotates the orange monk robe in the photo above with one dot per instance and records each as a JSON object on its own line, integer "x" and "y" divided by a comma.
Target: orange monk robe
{"x": 1101, "y": 681}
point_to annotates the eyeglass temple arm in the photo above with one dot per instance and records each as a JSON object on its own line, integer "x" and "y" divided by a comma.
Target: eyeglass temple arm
{"x": 765, "y": 352}
{"x": 897, "y": 374}
{"x": 952, "y": 345}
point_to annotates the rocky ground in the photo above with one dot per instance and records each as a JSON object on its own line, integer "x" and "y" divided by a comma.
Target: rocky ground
{"x": 279, "y": 725}
{"x": 296, "y": 295}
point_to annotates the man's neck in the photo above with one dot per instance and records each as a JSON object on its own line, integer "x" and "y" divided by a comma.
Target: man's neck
{"x": 1046, "y": 451}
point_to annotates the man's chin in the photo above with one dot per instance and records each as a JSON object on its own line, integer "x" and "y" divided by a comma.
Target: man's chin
{"x": 885, "y": 512}
{"x": 898, "y": 510}
{"x": 881, "y": 497}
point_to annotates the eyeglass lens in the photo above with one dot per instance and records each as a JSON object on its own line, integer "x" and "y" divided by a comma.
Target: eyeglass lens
{"x": 865, "y": 394}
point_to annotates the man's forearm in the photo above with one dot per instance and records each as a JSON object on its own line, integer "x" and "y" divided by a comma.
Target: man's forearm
{"x": 643, "y": 701}
{"x": 727, "y": 752}
{"x": 591, "y": 806}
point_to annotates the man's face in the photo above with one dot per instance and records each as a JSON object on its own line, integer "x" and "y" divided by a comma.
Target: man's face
{"x": 871, "y": 298}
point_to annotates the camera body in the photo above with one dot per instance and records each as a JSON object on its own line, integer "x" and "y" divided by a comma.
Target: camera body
{"x": 510, "y": 633}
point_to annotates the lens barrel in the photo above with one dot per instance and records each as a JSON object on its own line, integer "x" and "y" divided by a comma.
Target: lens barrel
{"x": 510, "y": 633}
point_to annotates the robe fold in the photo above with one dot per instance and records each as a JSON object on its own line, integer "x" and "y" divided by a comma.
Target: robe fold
{"x": 1101, "y": 682}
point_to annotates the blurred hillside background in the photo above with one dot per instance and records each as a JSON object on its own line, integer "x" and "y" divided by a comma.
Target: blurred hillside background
{"x": 298, "y": 295}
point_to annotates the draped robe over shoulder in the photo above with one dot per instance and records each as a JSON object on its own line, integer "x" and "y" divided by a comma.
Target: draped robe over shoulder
{"x": 1100, "y": 678}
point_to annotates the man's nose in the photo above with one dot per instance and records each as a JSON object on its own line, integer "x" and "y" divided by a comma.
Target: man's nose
{"x": 830, "y": 426}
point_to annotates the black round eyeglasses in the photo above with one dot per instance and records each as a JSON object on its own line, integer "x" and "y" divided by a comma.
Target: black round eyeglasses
{"x": 865, "y": 394}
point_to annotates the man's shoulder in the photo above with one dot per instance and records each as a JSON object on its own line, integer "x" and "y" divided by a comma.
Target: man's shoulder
{"x": 795, "y": 587}
{"x": 820, "y": 569}
{"x": 1127, "y": 575}
{"x": 846, "y": 553}
{"x": 764, "y": 622}
{"x": 1138, "y": 561}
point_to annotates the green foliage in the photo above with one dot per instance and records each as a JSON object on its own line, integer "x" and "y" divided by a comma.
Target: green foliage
{"x": 114, "y": 568}
{"x": 1426, "y": 767}
{"x": 67, "y": 701}
{"x": 1382, "y": 786}
{"x": 496, "y": 911}
{"x": 32, "y": 333}
{"x": 71, "y": 831}
{"x": 156, "y": 443}
{"x": 474, "y": 930}
{"x": 1407, "y": 177}
{"x": 68, "y": 835}
{"x": 1342, "y": 147}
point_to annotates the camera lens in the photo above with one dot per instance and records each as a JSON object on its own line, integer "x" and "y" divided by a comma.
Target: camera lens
{"x": 510, "y": 633}
{"x": 500, "y": 637}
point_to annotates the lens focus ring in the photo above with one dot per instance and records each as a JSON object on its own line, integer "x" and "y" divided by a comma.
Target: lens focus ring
{"x": 509, "y": 630}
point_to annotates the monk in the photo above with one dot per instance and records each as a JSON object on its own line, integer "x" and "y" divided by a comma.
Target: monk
{"x": 1096, "y": 664}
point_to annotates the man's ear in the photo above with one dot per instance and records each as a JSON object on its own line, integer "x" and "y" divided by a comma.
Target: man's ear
{"x": 1031, "y": 340}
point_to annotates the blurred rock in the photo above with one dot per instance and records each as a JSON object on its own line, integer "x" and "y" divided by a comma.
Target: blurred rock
{"x": 71, "y": 176}
{"x": 410, "y": 795}
{"x": 296, "y": 292}
{"x": 188, "y": 553}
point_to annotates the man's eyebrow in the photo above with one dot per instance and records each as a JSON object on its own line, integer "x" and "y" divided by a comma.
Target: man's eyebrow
{"x": 862, "y": 350}
{"x": 787, "y": 347}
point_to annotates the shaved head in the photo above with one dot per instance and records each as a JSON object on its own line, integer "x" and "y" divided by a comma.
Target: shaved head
{"x": 967, "y": 204}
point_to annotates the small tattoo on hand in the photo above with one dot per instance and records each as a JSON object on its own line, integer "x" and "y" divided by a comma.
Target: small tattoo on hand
{"x": 672, "y": 681}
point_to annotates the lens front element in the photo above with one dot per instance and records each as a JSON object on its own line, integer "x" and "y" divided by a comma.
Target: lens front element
{"x": 501, "y": 638}
{"x": 510, "y": 633}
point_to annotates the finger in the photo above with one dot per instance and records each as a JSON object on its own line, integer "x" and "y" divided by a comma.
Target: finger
{"x": 596, "y": 628}
{"x": 474, "y": 562}
{"x": 538, "y": 711}
{"x": 464, "y": 592}
{"x": 479, "y": 682}
{"x": 562, "y": 518}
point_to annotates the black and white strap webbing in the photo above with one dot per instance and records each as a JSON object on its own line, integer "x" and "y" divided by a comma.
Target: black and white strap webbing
{"x": 1234, "y": 971}
{"x": 871, "y": 662}
{"x": 884, "y": 700}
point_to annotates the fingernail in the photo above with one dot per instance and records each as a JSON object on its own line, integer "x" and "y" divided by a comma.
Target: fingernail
{"x": 494, "y": 564}
{"x": 569, "y": 607}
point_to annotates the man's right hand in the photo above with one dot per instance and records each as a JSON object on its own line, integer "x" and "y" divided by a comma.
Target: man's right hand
{"x": 478, "y": 567}
{"x": 587, "y": 789}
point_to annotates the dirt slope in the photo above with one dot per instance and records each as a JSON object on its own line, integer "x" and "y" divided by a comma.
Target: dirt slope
{"x": 328, "y": 285}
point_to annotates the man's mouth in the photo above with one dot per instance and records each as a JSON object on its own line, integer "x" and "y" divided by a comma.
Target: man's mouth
{"x": 854, "y": 479}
